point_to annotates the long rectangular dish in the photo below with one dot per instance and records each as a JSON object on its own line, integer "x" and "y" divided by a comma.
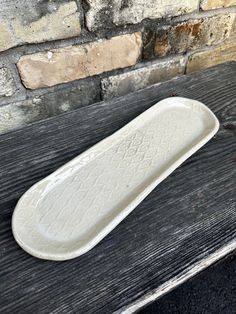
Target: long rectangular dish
{"x": 70, "y": 211}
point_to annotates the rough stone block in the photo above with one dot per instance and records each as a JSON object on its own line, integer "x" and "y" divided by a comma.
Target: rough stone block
{"x": 119, "y": 85}
{"x": 215, "y": 4}
{"x": 106, "y": 13}
{"x": 76, "y": 62}
{"x": 189, "y": 35}
{"x": 206, "y": 59}
{"x": 7, "y": 84}
{"x": 19, "y": 114}
{"x": 37, "y": 21}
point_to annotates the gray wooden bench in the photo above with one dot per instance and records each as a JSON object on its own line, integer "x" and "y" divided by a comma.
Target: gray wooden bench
{"x": 187, "y": 223}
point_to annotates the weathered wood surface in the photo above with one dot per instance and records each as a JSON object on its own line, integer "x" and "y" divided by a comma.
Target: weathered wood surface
{"x": 184, "y": 225}
{"x": 212, "y": 291}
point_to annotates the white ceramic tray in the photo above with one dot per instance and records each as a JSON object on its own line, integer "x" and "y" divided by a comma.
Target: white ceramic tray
{"x": 71, "y": 210}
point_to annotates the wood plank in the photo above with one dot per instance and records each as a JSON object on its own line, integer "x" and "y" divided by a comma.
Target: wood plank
{"x": 211, "y": 291}
{"x": 184, "y": 225}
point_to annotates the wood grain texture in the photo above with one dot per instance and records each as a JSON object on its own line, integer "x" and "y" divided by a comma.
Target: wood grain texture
{"x": 211, "y": 291}
{"x": 185, "y": 224}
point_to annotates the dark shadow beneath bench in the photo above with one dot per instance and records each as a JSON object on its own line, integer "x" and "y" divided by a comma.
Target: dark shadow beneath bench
{"x": 211, "y": 292}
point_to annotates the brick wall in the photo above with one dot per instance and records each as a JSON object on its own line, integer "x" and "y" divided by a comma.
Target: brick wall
{"x": 58, "y": 55}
